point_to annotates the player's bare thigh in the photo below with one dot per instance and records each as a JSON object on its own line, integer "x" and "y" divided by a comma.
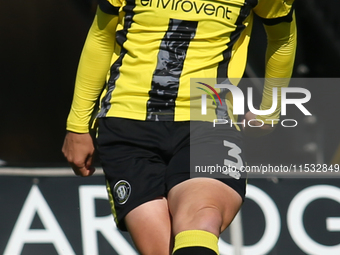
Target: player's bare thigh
{"x": 204, "y": 204}
{"x": 150, "y": 227}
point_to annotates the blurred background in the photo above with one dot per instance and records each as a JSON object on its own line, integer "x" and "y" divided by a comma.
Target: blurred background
{"x": 40, "y": 45}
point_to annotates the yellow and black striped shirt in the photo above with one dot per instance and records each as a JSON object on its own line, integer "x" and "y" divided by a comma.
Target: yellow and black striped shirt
{"x": 159, "y": 45}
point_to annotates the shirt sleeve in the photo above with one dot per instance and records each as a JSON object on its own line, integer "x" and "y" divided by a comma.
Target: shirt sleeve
{"x": 280, "y": 56}
{"x": 92, "y": 70}
{"x": 110, "y": 6}
{"x": 273, "y": 9}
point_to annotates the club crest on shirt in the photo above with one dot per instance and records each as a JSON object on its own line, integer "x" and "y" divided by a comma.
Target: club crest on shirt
{"x": 122, "y": 191}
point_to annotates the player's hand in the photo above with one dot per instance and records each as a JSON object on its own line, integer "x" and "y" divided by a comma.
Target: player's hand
{"x": 78, "y": 150}
{"x": 256, "y": 131}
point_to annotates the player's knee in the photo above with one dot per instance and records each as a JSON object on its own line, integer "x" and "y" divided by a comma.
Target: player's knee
{"x": 206, "y": 217}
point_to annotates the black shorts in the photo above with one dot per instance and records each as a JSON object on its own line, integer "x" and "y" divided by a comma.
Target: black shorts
{"x": 143, "y": 160}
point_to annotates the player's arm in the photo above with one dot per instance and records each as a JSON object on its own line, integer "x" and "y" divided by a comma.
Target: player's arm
{"x": 92, "y": 70}
{"x": 280, "y": 56}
